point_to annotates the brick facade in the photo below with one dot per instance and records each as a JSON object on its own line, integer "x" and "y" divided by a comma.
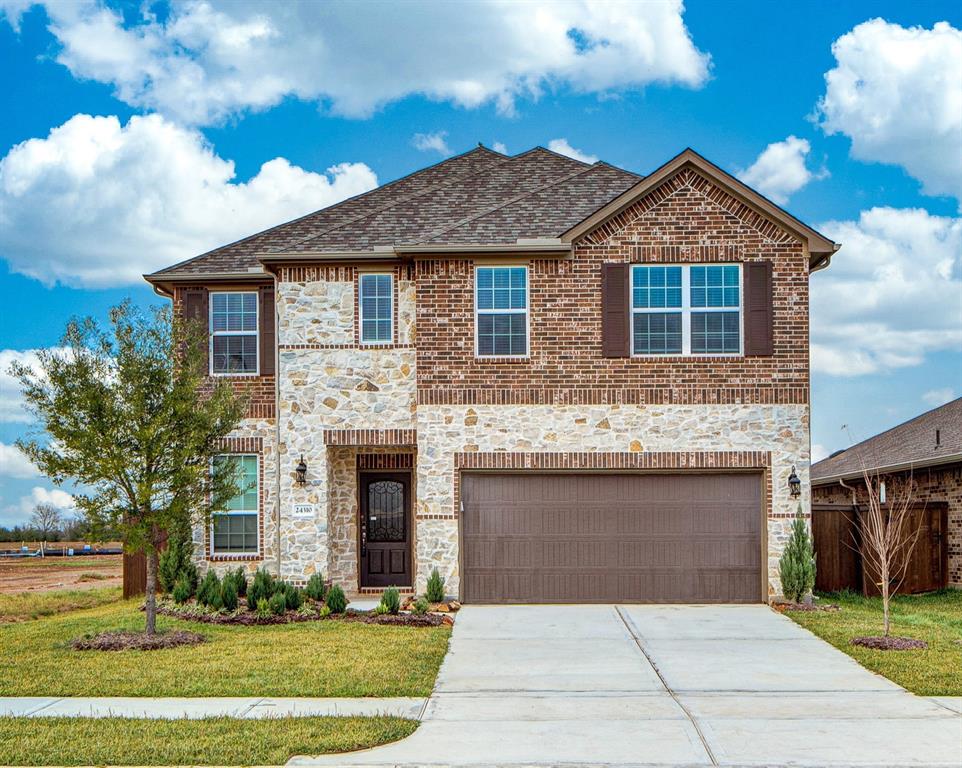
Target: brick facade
{"x": 942, "y": 484}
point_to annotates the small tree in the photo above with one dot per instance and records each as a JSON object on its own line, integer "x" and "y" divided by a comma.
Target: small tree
{"x": 130, "y": 416}
{"x": 889, "y": 532}
{"x": 796, "y": 568}
{"x": 46, "y": 519}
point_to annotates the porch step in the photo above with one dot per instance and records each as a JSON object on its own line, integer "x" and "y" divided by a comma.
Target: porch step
{"x": 370, "y": 591}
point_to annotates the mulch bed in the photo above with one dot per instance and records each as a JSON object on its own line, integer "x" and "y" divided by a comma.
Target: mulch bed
{"x": 247, "y": 618}
{"x": 137, "y": 641}
{"x": 782, "y": 607}
{"x": 890, "y": 643}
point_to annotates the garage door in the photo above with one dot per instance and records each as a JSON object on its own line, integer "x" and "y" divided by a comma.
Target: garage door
{"x": 555, "y": 538}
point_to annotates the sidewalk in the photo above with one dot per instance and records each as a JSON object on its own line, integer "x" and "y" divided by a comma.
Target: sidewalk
{"x": 195, "y": 708}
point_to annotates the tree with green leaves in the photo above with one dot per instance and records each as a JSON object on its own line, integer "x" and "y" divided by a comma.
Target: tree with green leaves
{"x": 796, "y": 568}
{"x": 129, "y": 415}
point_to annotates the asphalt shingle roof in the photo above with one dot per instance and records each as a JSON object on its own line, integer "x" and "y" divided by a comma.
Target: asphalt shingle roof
{"x": 910, "y": 443}
{"x": 479, "y": 198}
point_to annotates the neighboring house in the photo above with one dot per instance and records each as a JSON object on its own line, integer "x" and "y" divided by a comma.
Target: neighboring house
{"x": 927, "y": 451}
{"x": 552, "y": 381}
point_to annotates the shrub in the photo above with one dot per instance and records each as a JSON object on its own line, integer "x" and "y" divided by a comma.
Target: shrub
{"x": 325, "y": 611}
{"x": 181, "y": 591}
{"x": 420, "y": 606}
{"x": 208, "y": 588}
{"x": 315, "y": 588}
{"x": 263, "y": 608}
{"x": 174, "y": 562}
{"x": 380, "y": 609}
{"x": 336, "y": 600}
{"x": 261, "y": 588}
{"x": 217, "y": 598}
{"x": 228, "y": 594}
{"x": 293, "y": 597}
{"x": 189, "y": 572}
{"x": 797, "y": 565}
{"x": 278, "y": 603}
{"x": 435, "y": 591}
{"x": 240, "y": 580}
{"x": 391, "y": 600}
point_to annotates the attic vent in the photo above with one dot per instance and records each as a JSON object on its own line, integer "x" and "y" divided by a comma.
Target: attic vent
{"x": 938, "y": 437}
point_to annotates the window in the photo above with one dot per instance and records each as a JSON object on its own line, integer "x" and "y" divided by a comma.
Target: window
{"x": 377, "y": 309}
{"x": 235, "y": 527}
{"x": 686, "y": 310}
{"x": 501, "y": 306}
{"x": 233, "y": 328}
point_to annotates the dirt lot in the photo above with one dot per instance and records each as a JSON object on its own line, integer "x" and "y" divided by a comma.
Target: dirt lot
{"x": 36, "y": 574}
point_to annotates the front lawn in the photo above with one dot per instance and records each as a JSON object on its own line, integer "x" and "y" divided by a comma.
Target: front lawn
{"x": 34, "y": 605}
{"x": 213, "y": 741}
{"x": 935, "y": 618}
{"x": 317, "y": 658}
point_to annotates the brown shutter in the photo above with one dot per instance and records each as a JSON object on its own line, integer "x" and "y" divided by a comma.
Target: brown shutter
{"x": 267, "y": 329}
{"x": 615, "y": 322}
{"x": 195, "y": 308}
{"x": 758, "y": 308}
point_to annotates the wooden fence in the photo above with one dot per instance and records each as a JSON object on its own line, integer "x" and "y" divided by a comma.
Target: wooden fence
{"x": 838, "y": 556}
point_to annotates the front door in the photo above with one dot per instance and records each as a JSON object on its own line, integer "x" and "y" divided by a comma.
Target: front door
{"x": 385, "y": 529}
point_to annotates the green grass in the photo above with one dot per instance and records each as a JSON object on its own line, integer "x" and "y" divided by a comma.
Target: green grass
{"x": 214, "y": 741}
{"x": 935, "y": 618}
{"x": 34, "y": 605}
{"x": 321, "y": 658}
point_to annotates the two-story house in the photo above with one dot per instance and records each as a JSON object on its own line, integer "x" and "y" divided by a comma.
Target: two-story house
{"x": 552, "y": 381}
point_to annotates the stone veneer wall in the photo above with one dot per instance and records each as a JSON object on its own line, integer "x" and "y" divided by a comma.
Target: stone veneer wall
{"x": 327, "y": 381}
{"x": 249, "y": 432}
{"x": 782, "y": 430}
{"x": 935, "y": 484}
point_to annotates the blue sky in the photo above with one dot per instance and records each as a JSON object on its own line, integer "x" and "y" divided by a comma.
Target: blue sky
{"x": 849, "y": 114}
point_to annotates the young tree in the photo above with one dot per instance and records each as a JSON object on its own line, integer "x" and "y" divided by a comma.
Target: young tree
{"x": 889, "y": 533}
{"x": 129, "y": 415}
{"x": 47, "y": 519}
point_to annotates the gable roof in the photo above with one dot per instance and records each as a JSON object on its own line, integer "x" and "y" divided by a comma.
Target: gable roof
{"x": 911, "y": 445}
{"x": 482, "y": 201}
{"x": 820, "y": 247}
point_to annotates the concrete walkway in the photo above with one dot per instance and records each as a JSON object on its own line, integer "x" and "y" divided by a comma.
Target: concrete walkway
{"x": 195, "y": 708}
{"x": 653, "y": 685}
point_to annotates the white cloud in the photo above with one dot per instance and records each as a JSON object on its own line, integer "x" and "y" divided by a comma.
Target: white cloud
{"x": 13, "y": 463}
{"x": 207, "y": 60}
{"x": 937, "y": 397}
{"x": 897, "y": 94}
{"x": 11, "y": 401}
{"x": 780, "y": 169}
{"x": 432, "y": 142}
{"x": 40, "y": 495}
{"x": 892, "y": 295}
{"x": 562, "y": 147}
{"x": 97, "y": 203}
{"x": 499, "y": 147}
{"x": 819, "y": 452}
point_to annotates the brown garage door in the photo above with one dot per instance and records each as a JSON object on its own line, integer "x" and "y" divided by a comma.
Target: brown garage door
{"x": 551, "y": 538}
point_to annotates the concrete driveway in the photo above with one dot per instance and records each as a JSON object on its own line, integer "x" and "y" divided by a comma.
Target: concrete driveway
{"x": 660, "y": 685}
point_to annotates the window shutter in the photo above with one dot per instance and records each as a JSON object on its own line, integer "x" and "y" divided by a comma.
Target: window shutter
{"x": 195, "y": 308}
{"x": 758, "y": 308}
{"x": 615, "y": 322}
{"x": 266, "y": 313}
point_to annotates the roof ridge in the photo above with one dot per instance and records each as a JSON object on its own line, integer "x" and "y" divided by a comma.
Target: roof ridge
{"x": 513, "y": 200}
{"x": 400, "y": 200}
{"x": 540, "y": 148}
{"x": 890, "y": 429}
{"x": 478, "y": 149}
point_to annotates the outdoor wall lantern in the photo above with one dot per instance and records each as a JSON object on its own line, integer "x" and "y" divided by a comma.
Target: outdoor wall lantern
{"x": 794, "y": 484}
{"x": 301, "y": 471}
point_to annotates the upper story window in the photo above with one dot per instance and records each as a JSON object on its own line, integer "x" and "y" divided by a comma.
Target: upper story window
{"x": 376, "y": 293}
{"x": 501, "y": 309}
{"x": 686, "y": 309}
{"x": 235, "y": 528}
{"x": 233, "y": 332}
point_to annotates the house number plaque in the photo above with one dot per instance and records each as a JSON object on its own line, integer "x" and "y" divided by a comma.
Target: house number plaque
{"x": 303, "y": 510}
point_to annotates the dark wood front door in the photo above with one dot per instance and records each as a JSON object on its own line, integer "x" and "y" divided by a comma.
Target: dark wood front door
{"x": 385, "y": 529}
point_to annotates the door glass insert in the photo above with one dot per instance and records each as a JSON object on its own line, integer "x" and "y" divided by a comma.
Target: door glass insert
{"x": 385, "y": 511}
